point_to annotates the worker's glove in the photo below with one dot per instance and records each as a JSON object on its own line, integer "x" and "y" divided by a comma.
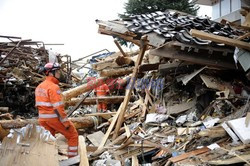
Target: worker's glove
{"x": 66, "y": 124}
{"x": 247, "y": 119}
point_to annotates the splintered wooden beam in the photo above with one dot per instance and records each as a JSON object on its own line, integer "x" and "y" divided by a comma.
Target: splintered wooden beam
{"x": 93, "y": 100}
{"x": 74, "y": 92}
{"x": 124, "y": 71}
{"x": 143, "y": 48}
{"x": 116, "y": 72}
{"x": 220, "y": 39}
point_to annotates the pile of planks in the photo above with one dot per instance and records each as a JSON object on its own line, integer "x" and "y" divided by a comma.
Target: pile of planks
{"x": 20, "y": 64}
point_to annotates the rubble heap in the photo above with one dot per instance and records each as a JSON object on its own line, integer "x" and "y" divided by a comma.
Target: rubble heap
{"x": 182, "y": 99}
{"x": 20, "y": 62}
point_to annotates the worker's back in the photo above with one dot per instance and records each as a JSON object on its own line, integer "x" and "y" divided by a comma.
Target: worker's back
{"x": 102, "y": 90}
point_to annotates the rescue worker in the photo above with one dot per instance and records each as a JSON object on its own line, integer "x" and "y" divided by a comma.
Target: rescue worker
{"x": 51, "y": 108}
{"x": 101, "y": 91}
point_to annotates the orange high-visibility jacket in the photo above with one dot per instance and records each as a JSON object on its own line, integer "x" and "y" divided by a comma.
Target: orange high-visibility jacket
{"x": 48, "y": 98}
{"x": 102, "y": 90}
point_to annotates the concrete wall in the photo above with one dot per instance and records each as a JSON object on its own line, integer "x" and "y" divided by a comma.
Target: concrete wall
{"x": 227, "y": 9}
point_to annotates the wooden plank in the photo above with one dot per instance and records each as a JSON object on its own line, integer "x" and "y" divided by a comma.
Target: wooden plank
{"x": 95, "y": 138}
{"x": 188, "y": 154}
{"x": 243, "y": 36}
{"x": 135, "y": 161}
{"x": 131, "y": 86}
{"x": 70, "y": 161}
{"x": 28, "y": 148}
{"x": 213, "y": 83}
{"x": 178, "y": 108}
{"x": 127, "y": 130}
{"x": 83, "y": 152}
{"x": 220, "y": 39}
{"x": 91, "y": 148}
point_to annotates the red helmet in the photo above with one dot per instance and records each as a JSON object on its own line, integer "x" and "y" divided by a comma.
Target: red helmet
{"x": 51, "y": 67}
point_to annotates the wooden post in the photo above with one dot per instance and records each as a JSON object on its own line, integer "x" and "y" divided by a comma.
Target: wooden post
{"x": 131, "y": 86}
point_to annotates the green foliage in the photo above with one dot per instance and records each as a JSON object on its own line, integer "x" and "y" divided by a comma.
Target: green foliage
{"x": 149, "y": 6}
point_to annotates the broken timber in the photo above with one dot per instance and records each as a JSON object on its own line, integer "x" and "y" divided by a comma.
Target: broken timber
{"x": 116, "y": 72}
{"x": 188, "y": 154}
{"x": 131, "y": 86}
{"x": 220, "y": 39}
{"x": 79, "y": 123}
{"x": 127, "y": 70}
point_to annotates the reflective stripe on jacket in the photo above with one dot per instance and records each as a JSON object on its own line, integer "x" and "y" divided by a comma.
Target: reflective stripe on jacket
{"x": 102, "y": 90}
{"x": 48, "y": 98}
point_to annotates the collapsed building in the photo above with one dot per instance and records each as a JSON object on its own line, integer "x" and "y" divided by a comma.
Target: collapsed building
{"x": 181, "y": 99}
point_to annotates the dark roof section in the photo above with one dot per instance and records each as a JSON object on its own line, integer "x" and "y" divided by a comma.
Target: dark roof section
{"x": 167, "y": 26}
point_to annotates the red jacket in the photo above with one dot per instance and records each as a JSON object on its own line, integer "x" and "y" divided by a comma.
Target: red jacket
{"x": 48, "y": 98}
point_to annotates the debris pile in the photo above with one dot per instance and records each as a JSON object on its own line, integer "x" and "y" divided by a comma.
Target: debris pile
{"x": 20, "y": 62}
{"x": 189, "y": 103}
{"x": 182, "y": 99}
